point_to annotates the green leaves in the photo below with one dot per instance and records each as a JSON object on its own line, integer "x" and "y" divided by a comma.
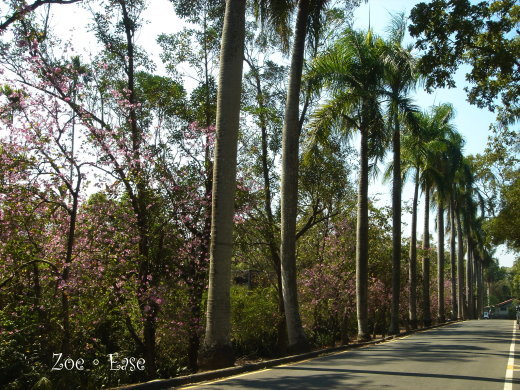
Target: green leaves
{"x": 483, "y": 35}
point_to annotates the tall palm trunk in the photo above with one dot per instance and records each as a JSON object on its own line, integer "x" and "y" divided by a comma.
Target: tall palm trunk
{"x": 289, "y": 186}
{"x": 427, "y": 319}
{"x": 396, "y": 229}
{"x": 460, "y": 267}
{"x": 453, "y": 265}
{"x": 362, "y": 241}
{"x": 476, "y": 274}
{"x": 216, "y": 351}
{"x": 480, "y": 288}
{"x": 440, "y": 260}
{"x": 469, "y": 279}
{"x": 412, "y": 271}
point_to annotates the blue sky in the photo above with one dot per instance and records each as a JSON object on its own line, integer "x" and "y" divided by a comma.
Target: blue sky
{"x": 472, "y": 122}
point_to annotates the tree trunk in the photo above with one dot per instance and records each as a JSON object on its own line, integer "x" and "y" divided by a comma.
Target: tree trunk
{"x": 488, "y": 290}
{"x": 413, "y": 257}
{"x": 149, "y": 309}
{"x": 71, "y": 235}
{"x": 216, "y": 351}
{"x": 440, "y": 261}
{"x": 396, "y": 230}
{"x": 480, "y": 289}
{"x": 344, "y": 328}
{"x": 427, "y": 319}
{"x": 453, "y": 265}
{"x": 469, "y": 279}
{"x": 362, "y": 241}
{"x": 197, "y": 278}
{"x": 270, "y": 235}
{"x": 297, "y": 341}
{"x": 460, "y": 267}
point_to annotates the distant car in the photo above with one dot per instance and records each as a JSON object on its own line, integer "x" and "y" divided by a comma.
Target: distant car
{"x": 486, "y": 315}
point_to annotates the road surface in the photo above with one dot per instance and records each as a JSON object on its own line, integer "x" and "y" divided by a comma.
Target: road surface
{"x": 468, "y": 355}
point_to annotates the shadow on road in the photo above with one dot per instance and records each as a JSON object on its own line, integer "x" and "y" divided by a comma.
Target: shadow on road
{"x": 445, "y": 355}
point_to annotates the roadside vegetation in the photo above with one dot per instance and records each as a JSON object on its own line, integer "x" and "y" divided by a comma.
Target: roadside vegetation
{"x": 219, "y": 211}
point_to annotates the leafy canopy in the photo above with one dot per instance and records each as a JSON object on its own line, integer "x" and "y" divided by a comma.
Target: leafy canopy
{"x": 484, "y": 36}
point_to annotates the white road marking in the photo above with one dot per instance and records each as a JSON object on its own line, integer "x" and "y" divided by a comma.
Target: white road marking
{"x": 508, "y": 384}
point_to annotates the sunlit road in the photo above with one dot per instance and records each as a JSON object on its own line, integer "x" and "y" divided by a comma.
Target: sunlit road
{"x": 469, "y": 355}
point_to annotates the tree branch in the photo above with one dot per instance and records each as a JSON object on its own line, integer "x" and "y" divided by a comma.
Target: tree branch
{"x": 2, "y": 284}
{"x": 22, "y": 11}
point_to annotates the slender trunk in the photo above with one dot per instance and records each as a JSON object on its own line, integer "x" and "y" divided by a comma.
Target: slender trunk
{"x": 426, "y": 260}
{"x": 480, "y": 289}
{"x": 440, "y": 260}
{"x": 413, "y": 257}
{"x": 362, "y": 241}
{"x": 43, "y": 329}
{"x": 344, "y": 328}
{"x": 197, "y": 282}
{"x": 270, "y": 235}
{"x": 281, "y": 325}
{"x": 453, "y": 264}
{"x": 460, "y": 267}
{"x": 396, "y": 229}
{"x": 289, "y": 186}
{"x": 216, "y": 351}
{"x": 488, "y": 290}
{"x": 37, "y": 292}
{"x": 198, "y": 274}
{"x": 66, "y": 336}
{"x": 194, "y": 338}
{"x": 469, "y": 279}
{"x": 149, "y": 308}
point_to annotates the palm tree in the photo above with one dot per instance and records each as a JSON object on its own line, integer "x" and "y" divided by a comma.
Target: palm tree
{"x": 216, "y": 351}
{"x": 352, "y": 70}
{"x": 427, "y": 320}
{"x": 421, "y": 151}
{"x": 434, "y": 175}
{"x": 453, "y": 260}
{"x": 462, "y": 180}
{"x": 448, "y": 161}
{"x": 308, "y": 18}
{"x": 440, "y": 257}
{"x": 468, "y": 216}
{"x": 289, "y": 183}
{"x": 471, "y": 199}
{"x": 484, "y": 260}
{"x": 460, "y": 263}
{"x": 411, "y": 158}
{"x": 400, "y": 79}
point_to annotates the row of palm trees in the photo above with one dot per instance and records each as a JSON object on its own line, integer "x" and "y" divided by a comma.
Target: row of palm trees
{"x": 366, "y": 82}
{"x": 369, "y": 81}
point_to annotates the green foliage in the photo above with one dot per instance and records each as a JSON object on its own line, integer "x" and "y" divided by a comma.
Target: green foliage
{"x": 505, "y": 227}
{"x": 499, "y": 177}
{"x": 253, "y": 319}
{"x": 160, "y": 93}
{"x": 483, "y": 35}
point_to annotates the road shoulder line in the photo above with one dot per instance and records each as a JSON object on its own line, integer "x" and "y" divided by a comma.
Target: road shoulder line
{"x": 508, "y": 384}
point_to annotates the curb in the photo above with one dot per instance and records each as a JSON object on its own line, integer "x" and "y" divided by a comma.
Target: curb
{"x": 160, "y": 384}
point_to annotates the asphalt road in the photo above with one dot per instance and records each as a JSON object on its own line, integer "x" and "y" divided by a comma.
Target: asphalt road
{"x": 468, "y": 355}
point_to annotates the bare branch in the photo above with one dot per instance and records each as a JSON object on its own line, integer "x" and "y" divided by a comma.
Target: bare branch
{"x": 21, "y": 12}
